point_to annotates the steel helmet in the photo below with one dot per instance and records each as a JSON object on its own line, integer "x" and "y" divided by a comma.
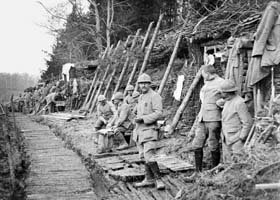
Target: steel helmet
{"x": 135, "y": 94}
{"x": 101, "y": 98}
{"x": 228, "y": 86}
{"x": 144, "y": 78}
{"x": 129, "y": 88}
{"x": 118, "y": 95}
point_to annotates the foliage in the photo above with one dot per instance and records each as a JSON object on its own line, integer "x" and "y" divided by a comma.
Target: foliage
{"x": 14, "y": 83}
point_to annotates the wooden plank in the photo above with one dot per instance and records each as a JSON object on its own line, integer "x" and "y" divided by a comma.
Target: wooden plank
{"x": 128, "y": 174}
{"x": 139, "y": 193}
{"x": 133, "y": 158}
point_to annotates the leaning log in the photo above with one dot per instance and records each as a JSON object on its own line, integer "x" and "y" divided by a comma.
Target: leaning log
{"x": 149, "y": 50}
{"x": 137, "y": 60}
{"x": 88, "y": 106}
{"x": 184, "y": 102}
{"x": 171, "y": 61}
{"x": 103, "y": 80}
{"x": 114, "y": 70}
{"x": 94, "y": 81}
{"x": 127, "y": 61}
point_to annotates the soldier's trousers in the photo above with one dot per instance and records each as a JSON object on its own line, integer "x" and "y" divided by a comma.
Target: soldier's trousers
{"x": 207, "y": 131}
{"x": 147, "y": 150}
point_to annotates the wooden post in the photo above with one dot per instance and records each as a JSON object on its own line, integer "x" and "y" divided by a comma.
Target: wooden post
{"x": 241, "y": 71}
{"x": 149, "y": 50}
{"x": 10, "y": 156}
{"x": 103, "y": 80}
{"x": 96, "y": 84}
{"x": 137, "y": 60}
{"x": 127, "y": 61}
{"x": 184, "y": 102}
{"x": 272, "y": 92}
{"x": 114, "y": 71}
{"x": 94, "y": 79}
{"x": 171, "y": 61}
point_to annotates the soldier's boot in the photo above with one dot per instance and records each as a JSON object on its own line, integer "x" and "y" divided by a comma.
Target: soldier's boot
{"x": 123, "y": 144}
{"x": 198, "y": 156}
{"x": 149, "y": 178}
{"x": 156, "y": 172}
{"x": 95, "y": 135}
{"x": 215, "y": 156}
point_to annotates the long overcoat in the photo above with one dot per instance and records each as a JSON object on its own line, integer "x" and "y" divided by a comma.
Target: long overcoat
{"x": 149, "y": 108}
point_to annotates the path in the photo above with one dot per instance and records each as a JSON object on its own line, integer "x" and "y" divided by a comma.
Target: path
{"x": 55, "y": 172}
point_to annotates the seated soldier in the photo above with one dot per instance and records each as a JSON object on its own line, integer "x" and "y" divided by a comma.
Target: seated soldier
{"x": 121, "y": 123}
{"x": 105, "y": 112}
{"x": 129, "y": 89}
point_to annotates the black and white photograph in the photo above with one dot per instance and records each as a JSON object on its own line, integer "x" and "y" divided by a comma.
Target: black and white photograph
{"x": 140, "y": 100}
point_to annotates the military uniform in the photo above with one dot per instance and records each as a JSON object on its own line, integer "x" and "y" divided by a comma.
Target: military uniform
{"x": 236, "y": 125}
{"x": 123, "y": 125}
{"x": 51, "y": 102}
{"x": 105, "y": 112}
{"x": 145, "y": 135}
{"x": 128, "y": 99}
{"x": 148, "y": 111}
{"x": 209, "y": 117}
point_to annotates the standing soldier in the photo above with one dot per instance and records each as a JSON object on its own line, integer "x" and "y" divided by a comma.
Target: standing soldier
{"x": 128, "y": 99}
{"x": 148, "y": 111}
{"x": 209, "y": 118}
{"x": 236, "y": 121}
{"x": 20, "y": 103}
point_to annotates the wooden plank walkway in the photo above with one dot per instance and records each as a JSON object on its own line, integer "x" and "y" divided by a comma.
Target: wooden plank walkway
{"x": 55, "y": 172}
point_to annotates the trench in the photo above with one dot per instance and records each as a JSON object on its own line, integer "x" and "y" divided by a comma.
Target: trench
{"x": 14, "y": 162}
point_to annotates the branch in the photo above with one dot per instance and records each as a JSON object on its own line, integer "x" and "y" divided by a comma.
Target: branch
{"x": 48, "y": 11}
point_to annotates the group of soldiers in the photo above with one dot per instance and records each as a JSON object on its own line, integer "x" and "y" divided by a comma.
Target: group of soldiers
{"x": 137, "y": 114}
{"x": 52, "y": 97}
{"x": 223, "y": 116}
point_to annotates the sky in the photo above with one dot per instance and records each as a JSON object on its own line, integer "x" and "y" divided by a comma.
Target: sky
{"x": 22, "y": 39}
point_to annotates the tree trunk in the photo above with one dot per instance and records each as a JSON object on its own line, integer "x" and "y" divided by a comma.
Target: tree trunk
{"x": 110, "y": 18}
{"x": 98, "y": 39}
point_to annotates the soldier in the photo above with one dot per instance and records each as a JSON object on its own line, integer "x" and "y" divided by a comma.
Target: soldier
{"x": 20, "y": 103}
{"x": 122, "y": 123}
{"x": 148, "y": 111}
{"x": 128, "y": 99}
{"x": 50, "y": 99}
{"x": 209, "y": 118}
{"x": 236, "y": 121}
{"x": 105, "y": 113}
{"x": 27, "y": 101}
